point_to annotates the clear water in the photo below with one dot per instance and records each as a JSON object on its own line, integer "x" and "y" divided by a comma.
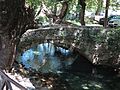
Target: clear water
{"x": 43, "y": 58}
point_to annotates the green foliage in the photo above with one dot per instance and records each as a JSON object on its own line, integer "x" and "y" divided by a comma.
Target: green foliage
{"x": 91, "y": 4}
{"x": 42, "y": 19}
{"x": 74, "y": 8}
{"x": 34, "y": 3}
{"x": 115, "y": 4}
{"x": 114, "y": 40}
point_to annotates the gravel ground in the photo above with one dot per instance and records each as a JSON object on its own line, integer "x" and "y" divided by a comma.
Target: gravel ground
{"x": 25, "y": 82}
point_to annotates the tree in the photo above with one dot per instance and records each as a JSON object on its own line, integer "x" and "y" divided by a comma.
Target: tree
{"x": 58, "y": 18}
{"x": 15, "y": 19}
{"x": 106, "y": 13}
{"x": 82, "y": 12}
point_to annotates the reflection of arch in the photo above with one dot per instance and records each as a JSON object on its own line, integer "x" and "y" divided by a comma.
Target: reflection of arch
{"x": 63, "y": 45}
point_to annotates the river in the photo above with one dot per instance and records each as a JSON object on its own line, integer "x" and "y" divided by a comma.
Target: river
{"x": 47, "y": 58}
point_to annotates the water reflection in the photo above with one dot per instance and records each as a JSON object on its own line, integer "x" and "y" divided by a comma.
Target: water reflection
{"x": 27, "y": 58}
{"x": 63, "y": 51}
{"x": 44, "y": 59}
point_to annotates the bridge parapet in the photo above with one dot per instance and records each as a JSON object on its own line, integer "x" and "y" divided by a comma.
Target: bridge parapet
{"x": 99, "y": 45}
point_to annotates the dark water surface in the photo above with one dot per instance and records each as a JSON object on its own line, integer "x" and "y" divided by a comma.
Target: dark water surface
{"x": 81, "y": 76}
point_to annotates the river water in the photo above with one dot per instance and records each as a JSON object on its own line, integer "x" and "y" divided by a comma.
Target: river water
{"x": 47, "y": 58}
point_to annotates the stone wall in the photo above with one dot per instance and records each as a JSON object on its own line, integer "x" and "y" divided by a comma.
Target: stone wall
{"x": 100, "y": 46}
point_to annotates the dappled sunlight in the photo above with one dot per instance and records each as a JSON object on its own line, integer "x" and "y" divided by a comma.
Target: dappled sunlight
{"x": 92, "y": 84}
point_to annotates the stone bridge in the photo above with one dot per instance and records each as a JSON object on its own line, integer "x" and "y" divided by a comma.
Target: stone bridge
{"x": 100, "y": 46}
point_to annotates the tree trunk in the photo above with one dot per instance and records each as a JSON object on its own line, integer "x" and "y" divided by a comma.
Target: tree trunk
{"x": 63, "y": 10}
{"x": 14, "y": 20}
{"x": 106, "y": 13}
{"x": 58, "y": 18}
{"x": 82, "y": 12}
{"x": 7, "y": 52}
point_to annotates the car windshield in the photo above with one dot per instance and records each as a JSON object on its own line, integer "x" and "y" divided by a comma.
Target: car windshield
{"x": 116, "y": 17}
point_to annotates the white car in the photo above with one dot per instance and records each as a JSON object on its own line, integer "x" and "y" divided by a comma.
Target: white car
{"x": 114, "y": 21}
{"x": 98, "y": 17}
